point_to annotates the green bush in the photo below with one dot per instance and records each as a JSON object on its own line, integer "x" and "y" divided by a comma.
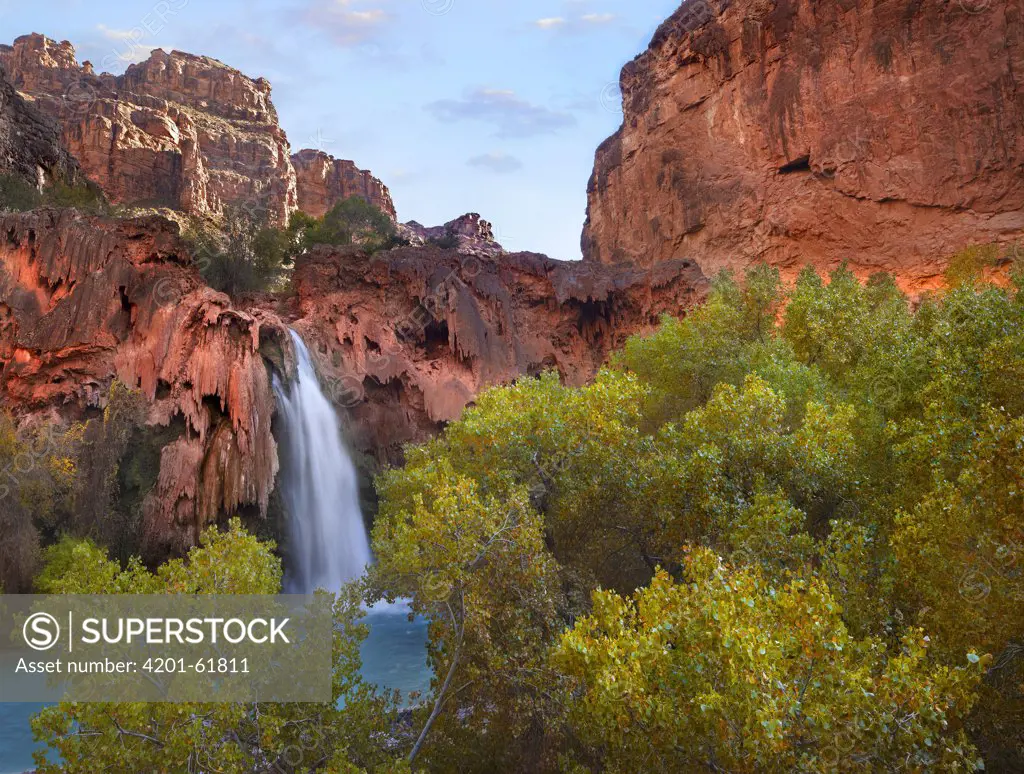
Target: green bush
{"x": 17, "y": 195}
{"x": 351, "y": 221}
{"x": 243, "y": 256}
{"x": 809, "y": 536}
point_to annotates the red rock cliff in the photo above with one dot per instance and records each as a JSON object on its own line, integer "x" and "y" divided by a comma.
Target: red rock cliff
{"x": 403, "y": 339}
{"x": 886, "y": 132}
{"x": 176, "y": 130}
{"x": 182, "y": 131}
{"x": 322, "y": 181}
{"x": 30, "y": 146}
{"x": 88, "y": 300}
{"x": 408, "y": 337}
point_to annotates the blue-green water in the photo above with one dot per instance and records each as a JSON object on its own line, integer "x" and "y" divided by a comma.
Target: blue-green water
{"x": 394, "y": 657}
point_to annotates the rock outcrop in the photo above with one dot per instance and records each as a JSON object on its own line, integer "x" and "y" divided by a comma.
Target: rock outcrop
{"x": 469, "y": 234}
{"x": 181, "y": 131}
{"x": 322, "y": 181}
{"x": 407, "y": 338}
{"x": 177, "y": 130}
{"x": 889, "y": 133}
{"x": 30, "y": 146}
{"x": 86, "y": 300}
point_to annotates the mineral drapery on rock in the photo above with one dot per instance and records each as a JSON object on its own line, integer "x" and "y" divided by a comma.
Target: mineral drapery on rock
{"x": 89, "y": 300}
{"x": 409, "y": 337}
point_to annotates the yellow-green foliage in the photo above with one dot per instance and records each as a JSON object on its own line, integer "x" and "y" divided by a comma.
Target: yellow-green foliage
{"x": 725, "y": 670}
{"x": 239, "y": 738}
{"x": 847, "y": 472}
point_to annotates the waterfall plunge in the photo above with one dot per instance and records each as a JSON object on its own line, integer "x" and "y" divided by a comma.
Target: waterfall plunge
{"x": 327, "y": 538}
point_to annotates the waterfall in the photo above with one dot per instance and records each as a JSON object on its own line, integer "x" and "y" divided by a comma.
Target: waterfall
{"x": 327, "y": 543}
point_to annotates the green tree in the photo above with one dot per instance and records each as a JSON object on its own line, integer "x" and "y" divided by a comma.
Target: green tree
{"x": 342, "y": 735}
{"x": 727, "y": 671}
{"x": 351, "y": 221}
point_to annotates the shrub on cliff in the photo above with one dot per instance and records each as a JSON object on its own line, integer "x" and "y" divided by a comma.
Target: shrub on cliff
{"x": 243, "y": 255}
{"x": 350, "y": 221}
{"x": 17, "y": 195}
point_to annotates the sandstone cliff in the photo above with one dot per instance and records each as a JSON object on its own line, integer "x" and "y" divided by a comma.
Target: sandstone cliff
{"x": 181, "y": 131}
{"x": 886, "y": 132}
{"x": 30, "y": 146}
{"x": 403, "y": 339}
{"x": 88, "y": 300}
{"x": 322, "y": 181}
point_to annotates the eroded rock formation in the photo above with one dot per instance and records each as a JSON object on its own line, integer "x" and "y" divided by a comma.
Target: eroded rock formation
{"x": 322, "y": 181}
{"x": 469, "y": 234}
{"x": 86, "y": 300}
{"x": 403, "y": 339}
{"x": 30, "y": 146}
{"x": 889, "y": 133}
{"x": 407, "y": 338}
{"x": 176, "y": 130}
{"x": 181, "y": 131}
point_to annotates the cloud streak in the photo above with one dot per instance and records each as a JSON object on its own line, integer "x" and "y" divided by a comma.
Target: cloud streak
{"x": 497, "y": 162}
{"x": 574, "y": 23}
{"x": 349, "y": 23}
{"x": 512, "y": 116}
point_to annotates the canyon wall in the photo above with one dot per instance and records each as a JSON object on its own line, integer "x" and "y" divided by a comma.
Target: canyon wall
{"x": 408, "y": 337}
{"x": 180, "y": 131}
{"x": 889, "y": 133}
{"x": 403, "y": 339}
{"x": 30, "y": 145}
{"x": 322, "y": 181}
{"x": 86, "y": 300}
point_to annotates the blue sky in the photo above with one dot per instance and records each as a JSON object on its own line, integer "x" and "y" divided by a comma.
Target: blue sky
{"x": 490, "y": 106}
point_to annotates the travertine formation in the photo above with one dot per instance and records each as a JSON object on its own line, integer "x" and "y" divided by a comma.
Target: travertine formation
{"x": 30, "y": 146}
{"x": 403, "y": 339}
{"x": 88, "y": 300}
{"x": 181, "y": 131}
{"x": 469, "y": 234}
{"x": 408, "y": 337}
{"x": 889, "y": 133}
{"x": 322, "y": 181}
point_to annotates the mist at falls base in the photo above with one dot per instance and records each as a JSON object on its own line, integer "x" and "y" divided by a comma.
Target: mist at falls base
{"x": 327, "y": 541}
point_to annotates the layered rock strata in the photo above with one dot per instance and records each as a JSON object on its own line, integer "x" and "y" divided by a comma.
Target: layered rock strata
{"x": 322, "y": 181}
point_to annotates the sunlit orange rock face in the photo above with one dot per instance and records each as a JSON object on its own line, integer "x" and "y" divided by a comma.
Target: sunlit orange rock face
{"x": 86, "y": 300}
{"x": 407, "y": 338}
{"x": 888, "y": 133}
{"x": 181, "y": 131}
{"x": 403, "y": 340}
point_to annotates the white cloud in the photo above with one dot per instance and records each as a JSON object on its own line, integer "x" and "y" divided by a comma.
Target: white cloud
{"x": 348, "y": 22}
{"x": 497, "y": 162}
{"x": 574, "y": 20}
{"x": 549, "y": 23}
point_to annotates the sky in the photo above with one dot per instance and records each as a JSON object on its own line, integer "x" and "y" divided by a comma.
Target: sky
{"x": 489, "y": 106}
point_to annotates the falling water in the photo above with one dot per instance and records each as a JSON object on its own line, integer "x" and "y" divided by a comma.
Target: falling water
{"x": 327, "y": 537}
